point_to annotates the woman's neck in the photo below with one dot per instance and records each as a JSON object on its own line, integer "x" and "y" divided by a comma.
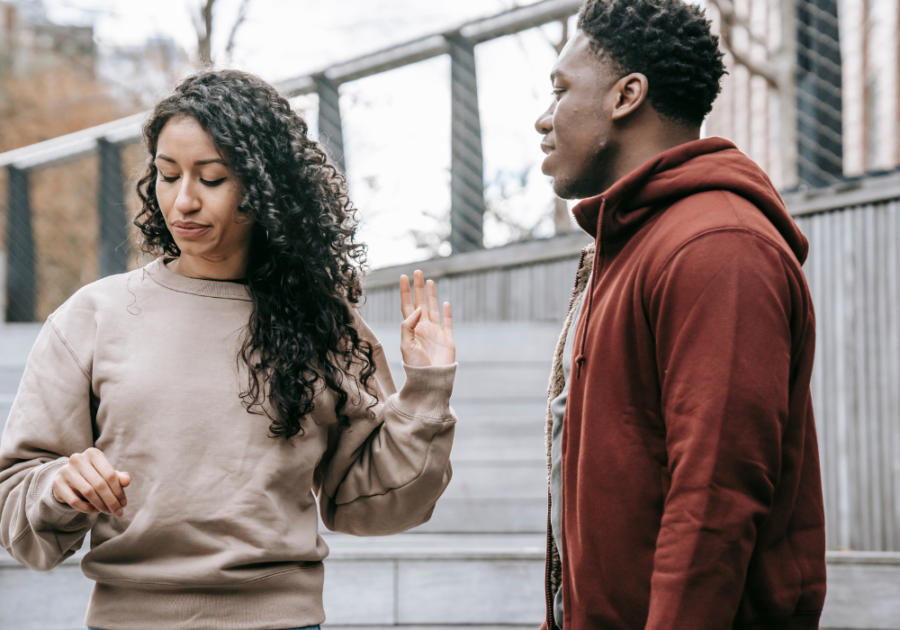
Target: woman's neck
{"x": 230, "y": 268}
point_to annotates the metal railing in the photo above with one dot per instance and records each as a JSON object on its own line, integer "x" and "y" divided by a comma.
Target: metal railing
{"x": 808, "y": 80}
{"x": 467, "y": 185}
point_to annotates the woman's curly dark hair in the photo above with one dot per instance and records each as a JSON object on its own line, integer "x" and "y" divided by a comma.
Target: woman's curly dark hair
{"x": 304, "y": 270}
{"x": 668, "y": 41}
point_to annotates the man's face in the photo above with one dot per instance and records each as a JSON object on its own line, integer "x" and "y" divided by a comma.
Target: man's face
{"x": 577, "y": 128}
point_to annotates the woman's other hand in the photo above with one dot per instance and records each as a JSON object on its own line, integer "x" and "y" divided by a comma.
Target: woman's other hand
{"x": 90, "y": 484}
{"x": 424, "y": 340}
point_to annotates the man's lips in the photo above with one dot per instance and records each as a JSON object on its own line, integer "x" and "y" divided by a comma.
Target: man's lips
{"x": 546, "y": 148}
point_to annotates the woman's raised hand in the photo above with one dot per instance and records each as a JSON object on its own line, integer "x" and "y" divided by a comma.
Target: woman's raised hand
{"x": 90, "y": 484}
{"x": 424, "y": 340}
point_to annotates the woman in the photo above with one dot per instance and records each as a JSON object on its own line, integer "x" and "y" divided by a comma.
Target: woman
{"x": 188, "y": 414}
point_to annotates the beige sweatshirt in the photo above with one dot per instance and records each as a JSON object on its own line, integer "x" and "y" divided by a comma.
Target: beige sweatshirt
{"x": 220, "y": 530}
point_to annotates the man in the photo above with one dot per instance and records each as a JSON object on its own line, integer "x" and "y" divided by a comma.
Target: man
{"x": 685, "y": 486}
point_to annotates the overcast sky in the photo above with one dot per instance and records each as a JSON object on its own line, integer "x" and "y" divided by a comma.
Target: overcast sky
{"x": 397, "y": 124}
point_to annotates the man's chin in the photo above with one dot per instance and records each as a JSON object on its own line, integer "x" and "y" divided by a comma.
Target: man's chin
{"x": 564, "y": 189}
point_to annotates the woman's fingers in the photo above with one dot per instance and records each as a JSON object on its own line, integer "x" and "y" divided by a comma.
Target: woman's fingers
{"x": 63, "y": 493}
{"x": 111, "y": 477}
{"x": 406, "y": 305}
{"x": 84, "y": 489}
{"x": 422, "y": 295}
{"x": 97, "y": 481}
{"x": 448, "y": 319}
{"x": 433, "y": 314}
{"x": 407, "y": 329}
{"x": 419, "y": 289}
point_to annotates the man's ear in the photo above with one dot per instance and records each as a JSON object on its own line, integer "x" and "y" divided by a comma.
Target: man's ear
{"x": 630, "y": 92}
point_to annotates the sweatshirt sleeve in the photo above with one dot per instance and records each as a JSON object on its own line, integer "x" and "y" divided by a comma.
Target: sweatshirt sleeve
{"x": 50, "y": 419}
{"x": 722, "y": 311}
{"x": 384, "y": 473}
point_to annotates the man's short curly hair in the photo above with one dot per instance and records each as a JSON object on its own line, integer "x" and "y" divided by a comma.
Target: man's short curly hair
{"x": 668, "y": 41}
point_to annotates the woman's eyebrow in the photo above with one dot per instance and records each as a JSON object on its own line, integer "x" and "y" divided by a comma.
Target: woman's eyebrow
{"x": 160, "y": 156}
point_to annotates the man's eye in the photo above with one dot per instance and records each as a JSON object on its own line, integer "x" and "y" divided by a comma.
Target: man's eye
{"x": 213, "y": 183}
{"x": 168, "y": 179}
{"x": 557, "y": 93}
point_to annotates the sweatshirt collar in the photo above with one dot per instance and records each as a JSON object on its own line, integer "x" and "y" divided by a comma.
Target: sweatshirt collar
{"x": 165, "y": 277}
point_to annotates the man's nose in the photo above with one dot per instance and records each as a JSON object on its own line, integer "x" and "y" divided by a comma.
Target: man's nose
{"x": 187, "y": 200}
{"x": 544, "y": 124}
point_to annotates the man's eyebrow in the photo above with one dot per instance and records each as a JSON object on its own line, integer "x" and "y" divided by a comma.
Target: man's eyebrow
{"x": 556, "y": 73}
{"x": 160, "y": 156}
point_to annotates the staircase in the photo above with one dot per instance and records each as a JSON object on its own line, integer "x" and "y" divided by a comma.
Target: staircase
{"x": 479, "y": 563}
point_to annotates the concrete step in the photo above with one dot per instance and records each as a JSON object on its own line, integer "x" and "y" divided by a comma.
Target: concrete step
{"x": 431, "y": 581}
{"x": 438, "y": 582}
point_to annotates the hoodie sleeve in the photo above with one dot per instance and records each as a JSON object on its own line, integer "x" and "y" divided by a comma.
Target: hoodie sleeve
{"x": 384, "y": 473}
{"x": 50, "y": 419}
{"x": 722, "y": 310}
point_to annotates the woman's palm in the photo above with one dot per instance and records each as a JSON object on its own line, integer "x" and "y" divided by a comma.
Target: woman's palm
{"x": 424, "y": 339}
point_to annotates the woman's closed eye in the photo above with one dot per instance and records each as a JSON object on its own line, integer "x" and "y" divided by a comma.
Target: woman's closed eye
{"x": 210, "y": 183}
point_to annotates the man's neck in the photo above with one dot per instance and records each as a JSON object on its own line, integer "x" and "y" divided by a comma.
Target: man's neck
{"x": 640, "y": 148}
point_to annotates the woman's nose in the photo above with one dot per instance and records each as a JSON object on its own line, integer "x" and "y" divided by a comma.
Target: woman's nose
{"x": 187, "y": 200}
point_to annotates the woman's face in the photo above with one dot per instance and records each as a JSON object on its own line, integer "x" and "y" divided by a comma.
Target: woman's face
{"x": 199, "y": 197}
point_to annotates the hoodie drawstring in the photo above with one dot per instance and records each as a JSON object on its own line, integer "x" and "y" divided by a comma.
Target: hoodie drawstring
{"x": 579, "y": 360}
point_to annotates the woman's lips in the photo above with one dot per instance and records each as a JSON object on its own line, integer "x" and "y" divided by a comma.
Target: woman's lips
{"x": 190, "y": 230}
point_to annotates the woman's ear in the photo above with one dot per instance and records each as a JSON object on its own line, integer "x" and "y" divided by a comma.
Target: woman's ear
{"x": 630, "y": 93}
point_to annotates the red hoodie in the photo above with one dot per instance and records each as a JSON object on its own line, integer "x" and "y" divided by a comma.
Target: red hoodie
{"x": 691, "y": 488}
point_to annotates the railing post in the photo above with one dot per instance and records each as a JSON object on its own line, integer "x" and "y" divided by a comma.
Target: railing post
{"x": 112, "y": 248}
{"x": 466, "y": 164}
{"x": 20, "y": 279}
{"x": 330, "y": 129}
{"x": 819, "y": 125}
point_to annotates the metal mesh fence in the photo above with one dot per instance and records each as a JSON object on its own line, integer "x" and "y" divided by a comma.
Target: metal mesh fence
{"x": 819, "y": 94}
{"x": 65, "y": 226}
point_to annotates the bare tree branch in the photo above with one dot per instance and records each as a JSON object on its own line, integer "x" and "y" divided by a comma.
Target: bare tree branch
{"x": 241, "y": 18}
{"x": 729, "y": 20}
{"x": 730, "y": 16}
{"x": 203, "y": 25}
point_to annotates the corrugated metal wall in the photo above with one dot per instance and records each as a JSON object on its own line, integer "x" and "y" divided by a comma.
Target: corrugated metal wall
{"x": 535, "y": 292}
{"x": 854, "y": 277}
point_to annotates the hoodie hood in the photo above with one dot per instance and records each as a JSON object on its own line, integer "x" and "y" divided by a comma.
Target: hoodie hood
{"x": 682, "y": 171}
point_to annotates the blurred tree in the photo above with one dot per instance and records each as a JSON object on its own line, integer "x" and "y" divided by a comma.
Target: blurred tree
{"x": 49, "y": 88}
{"x": 204, "y": 25}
